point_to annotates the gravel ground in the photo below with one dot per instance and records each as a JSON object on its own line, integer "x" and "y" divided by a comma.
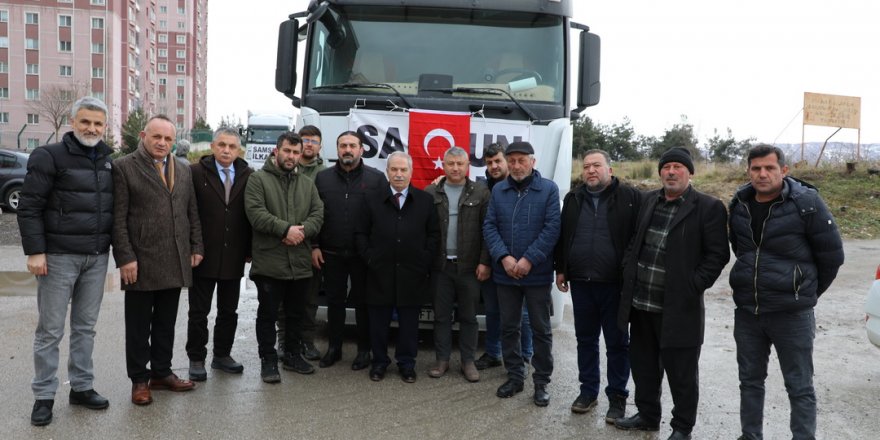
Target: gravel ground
{"x": 9, "y": 235}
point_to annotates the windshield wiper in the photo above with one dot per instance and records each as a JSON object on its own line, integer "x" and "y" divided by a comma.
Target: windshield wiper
{"x": 489, "y": 91}
{"x": 365, "y": 86}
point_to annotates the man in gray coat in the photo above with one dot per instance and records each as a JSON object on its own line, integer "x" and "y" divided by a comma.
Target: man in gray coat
{"x": 157, "y": 240}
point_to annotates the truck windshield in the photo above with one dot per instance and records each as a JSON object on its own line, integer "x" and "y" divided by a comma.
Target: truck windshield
{"x": 264, "y": 135}
{"x": 413, "y": 48}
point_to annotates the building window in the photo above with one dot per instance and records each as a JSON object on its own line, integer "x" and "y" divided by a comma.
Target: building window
{"x": 163, "y": 9}
{"x": 181, "y": 25}
{"x": 4, "y": 16}
{"x": 32, "y": 95}
{"x": 163, "y": 81}
{"x": 33, "y": 69}
{"x": 31, "y": 43}
{"x": 180, "y": 96}
{"x": 181, "y": 10}
{"x": 4, "y": 117}
{"x": 162, "y": 95}
{"x": 181, "y": 82}
{"x": 31, "y": 18}
{"x": 163, "y": 53}
{"x": 65, "y": 46}
{"x": 64, "y": 21}
{"x": 181, "y": 39}
{"x": 97, "y": 72}
{"x": 163, "y": 24}
{"x": 181, "y": 54}
{"x": 99, "y": 95}
{"x": 163, "y": 67}
{"x": 65, "y": 70}
{"x": 97, "y": 2}
{"x": 97, "y": 23}
{"x": 4, "y": 67}
{"x": 33, "y": 118}
{"x": 97, "y": 47}
{"x": 163, "y": 38}
{"x": 181, "y": 68}
{"x": 4, "y": 41}
{"x": 33, "y": 143}
{"x": 180, "y": 110}
{"x": 4, "y": 92}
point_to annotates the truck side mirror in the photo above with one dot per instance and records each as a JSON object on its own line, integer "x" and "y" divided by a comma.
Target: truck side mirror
{"x": 285, "y": 63}
{"x": 588, "y": 75}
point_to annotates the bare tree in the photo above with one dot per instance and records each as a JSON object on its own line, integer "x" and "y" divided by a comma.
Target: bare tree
{"x": 55, "y": 101}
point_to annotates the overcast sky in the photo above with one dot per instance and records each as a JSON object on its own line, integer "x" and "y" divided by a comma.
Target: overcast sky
{"x": 743, "y": 65}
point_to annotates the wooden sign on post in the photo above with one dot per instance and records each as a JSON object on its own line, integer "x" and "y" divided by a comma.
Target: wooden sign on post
{"x": 832, "y": 111}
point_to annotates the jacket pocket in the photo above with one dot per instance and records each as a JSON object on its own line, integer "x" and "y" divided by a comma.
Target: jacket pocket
{"x": 797, "y": 277}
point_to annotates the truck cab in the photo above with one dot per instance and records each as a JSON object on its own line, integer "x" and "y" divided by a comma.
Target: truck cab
{"x": 261, "y": 135}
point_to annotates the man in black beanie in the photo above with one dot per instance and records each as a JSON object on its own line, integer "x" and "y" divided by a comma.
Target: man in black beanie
{"x": 679, "y": 249}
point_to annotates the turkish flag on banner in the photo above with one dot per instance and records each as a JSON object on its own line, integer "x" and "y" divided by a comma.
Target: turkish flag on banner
{"x": 430, "y": 135}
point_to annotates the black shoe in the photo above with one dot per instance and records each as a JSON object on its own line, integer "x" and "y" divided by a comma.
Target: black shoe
{"x": 583, "y": 404}
{"x": 42, "y": 412}
{"x": 408, "y": 374}
{"x": 197, "y": 371}
{"x": 377, "y": 373}
{"x": 509, "y": 389}
{"x": 541, "y": 397}
{"x": 636, "y": 423}
{"x": 89, "y": 399}
{"x": 485, "y": 361}
{"x": 361, "y": 361}
{"x": 333, "y": 355}
{"x": 678, "y": 435}
{"x": 227, "y": 364}
{"x": 616, "y": 408}
{"x": 269, "y": 369}
{"x": 295, "y": 362}
{"x": 309, "y": 351}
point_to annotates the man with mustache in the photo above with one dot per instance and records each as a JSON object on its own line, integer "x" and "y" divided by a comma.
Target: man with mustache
{"x": 678, "y": 251}
{"x": 66, "y": 219}
{"x": 285, "y": 214}
{"x": 344, "y": 189}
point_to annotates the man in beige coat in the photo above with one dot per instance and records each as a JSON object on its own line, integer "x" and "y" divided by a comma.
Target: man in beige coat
{"x": 157, "y": 240}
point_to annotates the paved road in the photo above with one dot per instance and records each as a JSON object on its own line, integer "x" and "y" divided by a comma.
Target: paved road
{"x": 337, "y": 403}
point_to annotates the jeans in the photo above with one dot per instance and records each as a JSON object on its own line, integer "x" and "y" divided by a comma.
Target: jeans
{"x": 77, "y": 280}
{"x": 270, "y": 293}
{"x": 201, "y": 295}
{"x": 451, "y": 288}
{"x": 792, "y": 334}
{"x": 493, "y": 323}
{"x": 537, "y": 300}
{"x": 595, "y": 309}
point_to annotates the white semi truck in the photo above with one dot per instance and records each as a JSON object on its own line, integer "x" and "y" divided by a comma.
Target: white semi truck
{"x": 389, "y": 69}
{"x": 263, "y": 130}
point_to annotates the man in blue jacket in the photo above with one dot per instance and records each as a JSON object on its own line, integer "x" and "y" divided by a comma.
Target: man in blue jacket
{"x": 788, "y": 251}
{"x": 521, "y": 228}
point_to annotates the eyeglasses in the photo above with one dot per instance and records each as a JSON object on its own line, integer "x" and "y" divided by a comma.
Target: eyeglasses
{"x": 311, "y": 141}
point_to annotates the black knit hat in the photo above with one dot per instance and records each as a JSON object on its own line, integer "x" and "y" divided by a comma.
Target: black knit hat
{"x": 677, "y": 154}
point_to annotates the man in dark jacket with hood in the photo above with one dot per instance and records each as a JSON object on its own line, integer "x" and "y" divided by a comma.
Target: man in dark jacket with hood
{"x": 66, "y": 220}
{"x": 788, "y": 251}
{"x": 219, "y": 181}
{"x": 598, "y": 221}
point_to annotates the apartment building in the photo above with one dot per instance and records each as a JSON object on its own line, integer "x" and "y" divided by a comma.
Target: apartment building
{"x": 149, "y": 54}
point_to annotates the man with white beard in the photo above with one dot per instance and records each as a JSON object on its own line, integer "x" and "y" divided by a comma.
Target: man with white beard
{"x": 66, "y": 219}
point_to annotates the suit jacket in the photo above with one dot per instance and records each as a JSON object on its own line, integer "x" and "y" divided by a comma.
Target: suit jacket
{"x": 157, "y": 227}
{"x": 399, "y": 247}
{"x": 226, "y": 232}
{"x": 696, "y": 252}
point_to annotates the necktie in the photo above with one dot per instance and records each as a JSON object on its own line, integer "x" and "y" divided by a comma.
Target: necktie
{"x": 159, "y": 167}
{"x": 397, "y": 197}
{"x": 227, "y": 184}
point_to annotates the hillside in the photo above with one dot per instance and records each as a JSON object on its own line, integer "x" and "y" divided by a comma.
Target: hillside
{"x": 854, "y": 198}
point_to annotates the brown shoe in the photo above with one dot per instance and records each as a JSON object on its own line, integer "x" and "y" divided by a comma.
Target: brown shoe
{"x": 140, "y": 394}
{"x": 171, "y": 382}
{"x": 439, "y": 369}
{"x": 469, "y": 370}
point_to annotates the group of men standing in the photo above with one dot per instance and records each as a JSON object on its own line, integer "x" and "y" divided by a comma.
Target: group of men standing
{"x": 636, "y": 265}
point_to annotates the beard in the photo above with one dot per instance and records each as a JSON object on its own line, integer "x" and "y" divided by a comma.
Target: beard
{"x": 89, "y": 141}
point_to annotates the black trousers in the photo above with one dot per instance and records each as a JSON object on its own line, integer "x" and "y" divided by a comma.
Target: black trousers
{"x": 407, "y": 335}
{"x": 338, "y": 270}
{"x": 270, "y": 293}
{"x": 649, "y": 361}
{"x": 150, "y": 317}
{"x": 201, "y": 295}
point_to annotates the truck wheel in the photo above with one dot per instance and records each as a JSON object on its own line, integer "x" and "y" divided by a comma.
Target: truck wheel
{"x": 13, "y": 196}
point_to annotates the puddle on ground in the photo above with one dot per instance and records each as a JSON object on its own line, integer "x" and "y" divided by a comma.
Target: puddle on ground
{"x": 25, "y": 284}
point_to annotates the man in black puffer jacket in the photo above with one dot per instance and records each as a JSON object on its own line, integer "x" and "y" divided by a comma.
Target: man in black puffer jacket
{"x": 66, "y": 218}
{"x": 788, "y": 251}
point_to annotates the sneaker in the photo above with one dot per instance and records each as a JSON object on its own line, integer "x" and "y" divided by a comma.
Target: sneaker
{"x": 295, "y": 362}
{"x": 309, "y": 351}
{"x": 226, "y": 364}
{"x": 269, "y": 369}
{"x": 197, "y": 371}
{"x": 486, "y": 361}
{"x": 616, "y": 408}
{"x": 42, "y": 412}
{"x": 583, "y": 404}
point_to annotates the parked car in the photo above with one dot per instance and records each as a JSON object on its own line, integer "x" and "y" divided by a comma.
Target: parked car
{"x": 872, "y": 311}
{"x": 13, "y": 167}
